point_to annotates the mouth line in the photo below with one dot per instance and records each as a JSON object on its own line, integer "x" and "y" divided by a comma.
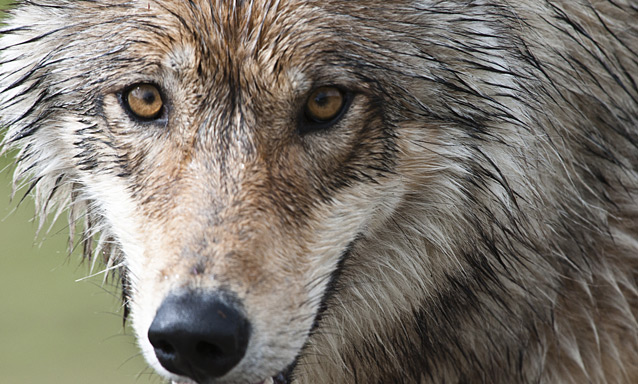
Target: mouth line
{"x": 285, "y": 376}
{"x": 282, "y": 377}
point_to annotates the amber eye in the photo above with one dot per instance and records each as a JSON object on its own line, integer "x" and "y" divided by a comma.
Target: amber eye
{"x": 144, "y": 101}
{"x": 325, "y": 104}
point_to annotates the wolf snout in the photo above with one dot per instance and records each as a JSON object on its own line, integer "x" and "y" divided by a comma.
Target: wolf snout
{"x": 199, "y": 335}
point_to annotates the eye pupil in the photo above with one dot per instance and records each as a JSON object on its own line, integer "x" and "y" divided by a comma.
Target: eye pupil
{"x": 322, "y": 99}
{"x": 144, "y": 101}
{"x": 149, "y": 97}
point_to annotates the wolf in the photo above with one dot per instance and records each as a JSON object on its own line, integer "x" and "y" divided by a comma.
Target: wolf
{"x": 301, "y": 191}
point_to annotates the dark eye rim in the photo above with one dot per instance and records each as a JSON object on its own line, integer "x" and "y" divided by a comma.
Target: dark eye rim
{"x": 307, "y": 124}
{"x": 159, "y": 118}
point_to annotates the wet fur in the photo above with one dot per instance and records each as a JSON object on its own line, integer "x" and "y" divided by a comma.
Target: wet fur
{"x": 471, "y": 219}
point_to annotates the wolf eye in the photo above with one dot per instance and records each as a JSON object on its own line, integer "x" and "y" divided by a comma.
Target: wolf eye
{"x": 144, "y": 101}
{"x": 325, "y": 106}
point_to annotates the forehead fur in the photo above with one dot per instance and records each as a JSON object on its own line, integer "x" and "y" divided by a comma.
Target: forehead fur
{"x": 234, "y": 48}
{"x": 226, "y": 35}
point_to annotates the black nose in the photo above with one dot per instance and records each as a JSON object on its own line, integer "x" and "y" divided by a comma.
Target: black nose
{"x": 199, "y": 335}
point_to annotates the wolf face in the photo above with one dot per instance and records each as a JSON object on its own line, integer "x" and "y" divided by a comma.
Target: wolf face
{"x": 329, "y": 191}
{"x": 198, "y": 149}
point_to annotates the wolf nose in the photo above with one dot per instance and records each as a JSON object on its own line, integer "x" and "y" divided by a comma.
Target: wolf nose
{"x": 198, "y": 335}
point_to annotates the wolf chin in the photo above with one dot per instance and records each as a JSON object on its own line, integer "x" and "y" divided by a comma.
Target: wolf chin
{"x": 344, "y": 191}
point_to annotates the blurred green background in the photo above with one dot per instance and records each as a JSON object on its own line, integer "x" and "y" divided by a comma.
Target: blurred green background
{"x": 52, "y": 328}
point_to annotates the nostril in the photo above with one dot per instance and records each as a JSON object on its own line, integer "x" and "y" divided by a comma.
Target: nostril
{"x": 199, "y": 335}
{"x": 165, "y": 347}
{"x": 208, "y": 351}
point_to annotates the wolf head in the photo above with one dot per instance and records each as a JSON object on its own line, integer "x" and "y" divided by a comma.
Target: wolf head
{"x": 286, "y": 187}
{"x": 234, "y": 196}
